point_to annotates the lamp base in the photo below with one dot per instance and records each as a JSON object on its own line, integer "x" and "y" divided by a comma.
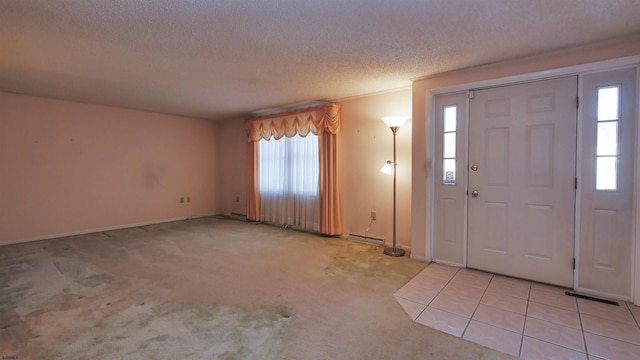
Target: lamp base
{"x": 394, "y": 252}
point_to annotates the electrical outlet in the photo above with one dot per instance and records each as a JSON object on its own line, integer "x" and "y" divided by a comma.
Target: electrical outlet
{"x": 237, "y": 198}
{"x": 181, "y": 199}
{"x": 374, "y": 215}
{"x": 188, "y": 199}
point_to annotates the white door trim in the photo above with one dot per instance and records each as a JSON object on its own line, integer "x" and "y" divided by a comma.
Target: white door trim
{"x": 635, "y": 283}
{"x": 579, "y": 69}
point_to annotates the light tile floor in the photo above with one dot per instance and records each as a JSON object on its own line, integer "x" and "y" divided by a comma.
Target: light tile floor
{"x": 521, "y": 318}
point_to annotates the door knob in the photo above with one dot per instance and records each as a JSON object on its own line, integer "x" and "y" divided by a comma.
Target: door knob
{"x": 474, "y": 167}
{"x": 475, "y": 193}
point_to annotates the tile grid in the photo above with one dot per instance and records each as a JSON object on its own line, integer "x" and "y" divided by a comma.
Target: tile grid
{"x": 520, "y": 334}
{"x": 604, "y": 334}
{"x": 480, "y": 302}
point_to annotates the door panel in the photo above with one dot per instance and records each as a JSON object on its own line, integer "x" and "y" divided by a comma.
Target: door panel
{"x": 537, "y": 232}
{"x": 523, "y": 139}
{"x": 451, "y": 191}
{"x": 606, "y": 242}
{"x": 539, "y": 155}
{"x": 497, "y": 156}
{"x": 496, "y": 227}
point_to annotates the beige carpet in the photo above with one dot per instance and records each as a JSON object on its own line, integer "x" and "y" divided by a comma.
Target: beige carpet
{"x": 211, "y": 288}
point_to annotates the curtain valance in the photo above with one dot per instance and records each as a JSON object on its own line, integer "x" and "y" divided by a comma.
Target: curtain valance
{"x": 316, "y": 120}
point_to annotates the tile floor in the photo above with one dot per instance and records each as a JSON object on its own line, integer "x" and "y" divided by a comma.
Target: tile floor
{"x": 521, "y": 318}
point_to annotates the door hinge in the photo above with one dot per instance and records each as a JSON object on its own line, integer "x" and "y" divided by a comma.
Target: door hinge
{"x": 575, "y": 184}
{"x": 574, "y": 263}
{"x": 471, "y": 94}
{"x": 577, "y": 102}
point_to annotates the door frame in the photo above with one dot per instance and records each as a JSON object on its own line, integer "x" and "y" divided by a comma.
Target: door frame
{"x": 579, "y": 70}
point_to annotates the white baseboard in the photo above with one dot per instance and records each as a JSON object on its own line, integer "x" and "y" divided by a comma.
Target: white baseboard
{"x": 97, "y": 230}
{"x": 449, "y": 263}
{"x": 418, "y": 258}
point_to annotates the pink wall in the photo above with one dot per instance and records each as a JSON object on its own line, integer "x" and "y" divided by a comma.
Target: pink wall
{"x": 68, "y": 167}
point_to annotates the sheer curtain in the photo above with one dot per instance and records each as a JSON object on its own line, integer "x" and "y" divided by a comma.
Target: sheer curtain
{"x": 289, "y": 181}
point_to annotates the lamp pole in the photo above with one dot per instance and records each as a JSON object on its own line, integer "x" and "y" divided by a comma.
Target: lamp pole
{"x": 394, "y": 251}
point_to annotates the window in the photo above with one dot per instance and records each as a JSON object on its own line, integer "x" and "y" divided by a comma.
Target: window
{"x": 289, "y": 181}
{"x": 607, "y": 135}
{"x": 289, "y": 166}
{"x": 285, "y": 187}
{"x": 449, "y": 144}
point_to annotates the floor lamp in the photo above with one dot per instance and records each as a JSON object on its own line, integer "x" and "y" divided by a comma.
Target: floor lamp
{"x": 393, "y": 122}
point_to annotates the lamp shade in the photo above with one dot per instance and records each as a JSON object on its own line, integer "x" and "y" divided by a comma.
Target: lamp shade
{"x": 394, "y": 120}
{"x": 387, "y": 168}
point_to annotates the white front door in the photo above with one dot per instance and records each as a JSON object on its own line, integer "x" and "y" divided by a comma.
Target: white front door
{"x": 522, "y": 148}
{"x": 606, "y": 183}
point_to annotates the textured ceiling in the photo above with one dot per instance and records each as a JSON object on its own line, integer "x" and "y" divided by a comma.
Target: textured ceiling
{"x": 227, "y": 58}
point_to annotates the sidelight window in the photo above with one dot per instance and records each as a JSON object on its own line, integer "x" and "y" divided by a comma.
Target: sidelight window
{"x": 607, "y": 138}
{"x": 450, "y": 126}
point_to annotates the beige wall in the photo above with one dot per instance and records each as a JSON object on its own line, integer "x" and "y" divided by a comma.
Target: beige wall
{"x": 542, "y": 65}
{"x": 232, "y": 174}
{"x": 364, "y": 145}
{"x": 67, "y": 167}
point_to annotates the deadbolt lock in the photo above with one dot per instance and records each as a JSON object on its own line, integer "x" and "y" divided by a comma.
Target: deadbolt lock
{"x": 474, "y": 167}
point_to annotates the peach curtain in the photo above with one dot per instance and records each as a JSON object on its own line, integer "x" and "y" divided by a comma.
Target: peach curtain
{"x": 323, "y": 121}
{"x": 253, "y": 170}
{"x": 330, "y": 209}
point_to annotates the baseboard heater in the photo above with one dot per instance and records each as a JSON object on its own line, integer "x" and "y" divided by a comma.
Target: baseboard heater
{"x": 592, "y": 298}
{"x": 367, "y": 239}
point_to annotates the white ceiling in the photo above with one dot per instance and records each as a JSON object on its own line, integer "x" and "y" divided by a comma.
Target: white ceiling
{"x": 227, "y": 58}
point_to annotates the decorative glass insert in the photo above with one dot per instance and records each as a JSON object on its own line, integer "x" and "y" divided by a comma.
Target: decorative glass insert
{"x": 450, "y": 126}
{"x": 607, "y": 135}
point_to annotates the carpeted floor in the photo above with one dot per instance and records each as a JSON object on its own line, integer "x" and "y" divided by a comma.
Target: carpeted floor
{"x": 211, "y": 288}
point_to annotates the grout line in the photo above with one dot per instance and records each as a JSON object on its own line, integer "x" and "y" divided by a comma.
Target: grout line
{"x": 633, "y": 315}
{"x": 612, "y": 338}
{"x": 584, "y": 338}
{"x": 526, "y": 315}
{"x": 477, "y": 306}
{"x": 437, "y": 292}
{"x": 425, "y": 308}
{"x": 550, "y": 343}
{"x": 440, "y": 292}
{"x": 607, "y": 335}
